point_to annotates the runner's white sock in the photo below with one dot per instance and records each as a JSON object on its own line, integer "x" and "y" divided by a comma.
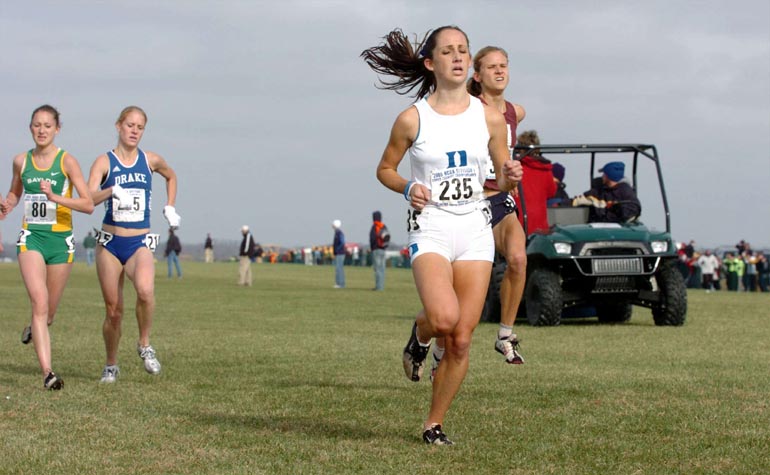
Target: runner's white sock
{"x": 438, "y": 352}
{"x": 504, "y": 332}
{"x": 417, "y": 334}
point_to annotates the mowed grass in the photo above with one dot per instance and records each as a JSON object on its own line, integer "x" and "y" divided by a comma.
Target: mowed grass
{"x": 293, "y": 376}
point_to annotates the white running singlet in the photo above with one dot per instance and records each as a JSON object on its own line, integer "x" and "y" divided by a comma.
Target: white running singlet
{"x": 450, "y": 156}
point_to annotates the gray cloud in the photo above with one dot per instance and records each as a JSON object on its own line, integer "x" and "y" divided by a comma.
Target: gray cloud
{"x": 271, "y": 119}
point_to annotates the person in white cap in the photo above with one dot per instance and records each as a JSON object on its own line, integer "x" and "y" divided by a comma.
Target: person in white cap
{"x": 246, "y": 253}
{"x": 339, "y": 255}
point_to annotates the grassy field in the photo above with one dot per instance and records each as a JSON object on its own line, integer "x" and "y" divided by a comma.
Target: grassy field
{"x": 292, "y": 376}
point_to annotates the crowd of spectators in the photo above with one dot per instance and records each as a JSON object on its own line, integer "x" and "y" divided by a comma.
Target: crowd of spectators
{"x": 355, "y": 255}
{"x": 739, "y": 269}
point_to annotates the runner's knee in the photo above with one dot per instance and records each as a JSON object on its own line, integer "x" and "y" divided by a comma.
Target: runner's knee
{"x": 516, "y": 260}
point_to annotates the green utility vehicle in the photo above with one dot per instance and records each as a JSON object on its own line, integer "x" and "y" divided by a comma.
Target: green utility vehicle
{"x": 582, "y": 269}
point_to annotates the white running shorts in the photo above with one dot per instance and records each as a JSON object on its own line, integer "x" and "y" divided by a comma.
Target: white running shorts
{"x": 456, "y": 237}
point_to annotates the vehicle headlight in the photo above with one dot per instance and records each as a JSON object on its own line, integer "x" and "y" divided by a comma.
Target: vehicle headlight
{"x": 659, "y": 246}
{"x": 562, "y": 247}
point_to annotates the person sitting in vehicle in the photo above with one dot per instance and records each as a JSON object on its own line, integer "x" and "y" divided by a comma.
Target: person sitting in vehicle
{"x": 561, "y": 198}
{"x": 613, "y": 200}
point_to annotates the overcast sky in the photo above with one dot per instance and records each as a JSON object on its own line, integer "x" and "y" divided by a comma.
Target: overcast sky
{"x": 271, "y": 119}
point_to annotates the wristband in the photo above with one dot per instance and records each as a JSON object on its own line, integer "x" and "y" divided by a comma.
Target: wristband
{"x": 407, "y": 188}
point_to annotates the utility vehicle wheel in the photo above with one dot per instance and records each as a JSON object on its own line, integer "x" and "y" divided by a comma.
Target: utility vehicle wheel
{"x": 543, "y": 298}
{"x": 619, "y": 312}
{"x": 672, "y": 308}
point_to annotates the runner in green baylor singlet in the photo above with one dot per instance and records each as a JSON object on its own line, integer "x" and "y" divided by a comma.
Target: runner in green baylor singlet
{"x": 52, "y": 223}
{"x": 42, "y": 184}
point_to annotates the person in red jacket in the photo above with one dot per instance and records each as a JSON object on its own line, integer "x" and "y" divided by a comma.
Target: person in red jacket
{"x": 538, "y": 185}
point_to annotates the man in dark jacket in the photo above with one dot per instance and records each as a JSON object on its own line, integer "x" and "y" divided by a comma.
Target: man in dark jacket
{"x": 613, "y": 200}
{"x": 245, "y": 252}
{"x": 339, "y": 255}
{"x": 379, "y": 237}
{"x": 173, "y": 249}
{"x": 208, "y": 249}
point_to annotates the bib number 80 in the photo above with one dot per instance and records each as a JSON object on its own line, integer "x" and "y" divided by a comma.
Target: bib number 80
{"x": 38, "y": 209}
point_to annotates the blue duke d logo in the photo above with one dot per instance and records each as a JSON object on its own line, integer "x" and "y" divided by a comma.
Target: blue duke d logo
{"x": 453, "y": 158}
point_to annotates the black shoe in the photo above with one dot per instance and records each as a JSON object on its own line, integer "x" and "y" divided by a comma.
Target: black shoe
{"x": 414, "y": 356}
{"x": 53, "y": 382}
{"x": 435, "y": 436}
{"x": 26, "y": 335}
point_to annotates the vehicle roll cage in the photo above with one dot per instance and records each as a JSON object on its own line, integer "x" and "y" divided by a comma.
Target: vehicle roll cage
{"x": 643, "y": 150}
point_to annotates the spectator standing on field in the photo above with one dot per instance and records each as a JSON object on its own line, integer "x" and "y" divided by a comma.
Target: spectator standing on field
{"x": 709, "y": 264}
{"x": 689, "y": 249}
{"x": 763, "y": 272}
{"x": 339, "y": 255}
{"x": 355, "y": 256}
{"x": 89, "y": 244}
{"x": 208, "y": 250}
{"x": 740, "y": 267}
{"x": 732, "y": 265}
{"x": 246, "y": 253}
{"x": 750, "y": 273}
{"x": 258, "y": 253}
{"x": 173, "y": 249}
{"x": 379, "y": 238}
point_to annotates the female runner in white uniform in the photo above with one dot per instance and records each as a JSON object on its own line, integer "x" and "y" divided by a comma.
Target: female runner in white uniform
{"x": 449, "y": 136}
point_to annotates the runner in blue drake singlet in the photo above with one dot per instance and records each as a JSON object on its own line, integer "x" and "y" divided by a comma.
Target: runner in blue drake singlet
{"x": 43, "y": 180}
{"x": 122, "y": 179}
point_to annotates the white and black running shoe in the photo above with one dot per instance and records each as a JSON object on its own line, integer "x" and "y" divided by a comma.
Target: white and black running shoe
{"x": 414, "y": 356}
{"x": 26, "y": 335}
{"x": 151, "y": 363}
{"x": 110, "y": 374}
{"x": 436, "y": 436}
{"x": 509, "y": 347}
{"x": 53, "y": 382}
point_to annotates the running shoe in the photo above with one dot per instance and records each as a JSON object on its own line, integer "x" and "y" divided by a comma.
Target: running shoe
{"x": 436, "y": 436}
{"x": 110, "y": 374}
{"x": 53, "y": 382}
{"x": 151, "y": 363}
{"x": 509, "y": 347}
{"x": 26, "y": 335}
{"x": 414, "y": 356}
